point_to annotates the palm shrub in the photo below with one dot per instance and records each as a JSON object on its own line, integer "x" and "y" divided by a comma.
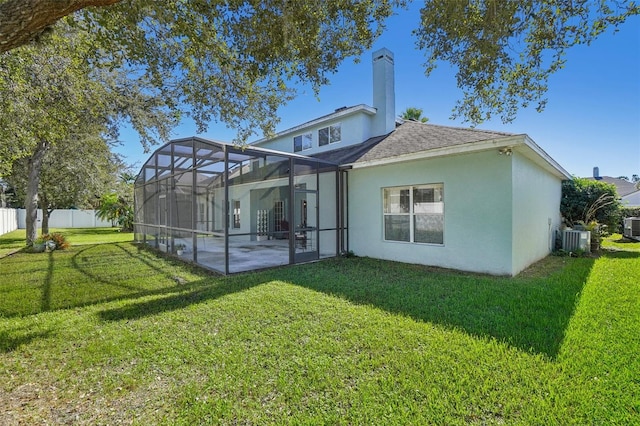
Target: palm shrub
{"x": 116, "y": 209}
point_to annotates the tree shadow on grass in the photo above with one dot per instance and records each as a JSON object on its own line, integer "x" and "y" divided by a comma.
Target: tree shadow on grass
{"x": 89, "y": 231}
{"x": 10, "y": 245}
{"x": 49, "y": 285}
{"x": 625, "y": 240}
{"x": 13, "y": 339}
{"x": 88, "y": 272}
{"x": 619, "y": 254}
{"x": 214, "y": 290}
{"x": 10, "y": 242}
{"x": 530, "y": 312}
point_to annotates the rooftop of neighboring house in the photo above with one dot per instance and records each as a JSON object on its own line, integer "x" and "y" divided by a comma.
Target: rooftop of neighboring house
{"x": 623, "y": 187}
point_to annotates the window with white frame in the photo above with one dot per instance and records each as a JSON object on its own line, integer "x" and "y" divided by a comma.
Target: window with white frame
{"x": 302, "y": 142}
{"x": 331, "y": 134}
{"x": 414, "y": 213}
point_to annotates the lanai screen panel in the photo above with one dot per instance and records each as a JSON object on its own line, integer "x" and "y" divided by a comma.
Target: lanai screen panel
{"x": 329, "y": 210}
{"x": 209, "y": 205}
{"x": 258, "y": 188}
{"x": 232, "y": 209}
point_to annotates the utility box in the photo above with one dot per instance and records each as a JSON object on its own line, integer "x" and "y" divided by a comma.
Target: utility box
{"x": 573, "y": 240}
{"x": 632, "y": 228}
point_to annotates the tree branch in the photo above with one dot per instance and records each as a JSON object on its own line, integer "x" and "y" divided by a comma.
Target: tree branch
{"x": 23, "y": 20}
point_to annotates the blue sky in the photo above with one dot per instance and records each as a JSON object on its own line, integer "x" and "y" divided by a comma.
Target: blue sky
{"x": 592, "y": 116}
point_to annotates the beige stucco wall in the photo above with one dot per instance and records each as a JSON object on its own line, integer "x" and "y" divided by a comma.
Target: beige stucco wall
{"x": 478, "y": 220}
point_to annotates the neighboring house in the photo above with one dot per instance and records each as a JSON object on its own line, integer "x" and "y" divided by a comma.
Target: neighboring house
{"x": 628, "y": 192}
{"x": 473, "y": 200}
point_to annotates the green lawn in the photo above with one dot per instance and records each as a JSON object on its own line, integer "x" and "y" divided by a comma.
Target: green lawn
{"x": 618, "y": 242}
{"x": 16, "y": 240}
{"x": 110, "y": 333}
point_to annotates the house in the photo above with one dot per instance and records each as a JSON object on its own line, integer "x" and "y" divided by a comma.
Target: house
{"x": 356, "y": 179}
{"x": 628, "y": 192}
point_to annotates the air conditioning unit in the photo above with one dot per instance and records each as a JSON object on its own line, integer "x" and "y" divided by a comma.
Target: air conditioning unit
{"x": 576, "y": 240}
{"x": 632, "y": 227}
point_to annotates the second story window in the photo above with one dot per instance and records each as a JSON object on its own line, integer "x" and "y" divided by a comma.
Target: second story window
{"x": 331, "y": 134}
{"x": 302, "y": 142}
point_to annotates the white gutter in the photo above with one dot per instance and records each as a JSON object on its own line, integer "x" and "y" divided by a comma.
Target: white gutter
{"x": 502, "y": 142}
{"x": 511, "y": 142}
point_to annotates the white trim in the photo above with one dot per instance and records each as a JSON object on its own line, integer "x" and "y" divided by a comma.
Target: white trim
{"x": 411, "y": 213}
{"x": 546, "y": 157}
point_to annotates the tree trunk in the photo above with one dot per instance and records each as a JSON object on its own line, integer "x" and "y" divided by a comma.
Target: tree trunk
{"x": 46, "y": 213}
{"x": 31, "y": 199}
{"x": 23, "y": 20}
{"x": 45, "y": 221}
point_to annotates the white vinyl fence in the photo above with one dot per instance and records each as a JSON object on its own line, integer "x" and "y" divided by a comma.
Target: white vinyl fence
{"x": 66, "y": 219}
{"x": 8, "y": 220}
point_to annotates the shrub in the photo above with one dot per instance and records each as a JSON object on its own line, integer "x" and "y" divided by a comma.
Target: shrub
{"x": 631, "y": 212}
{"x": 59, "y": 240}
{"x": 585, "y": 200}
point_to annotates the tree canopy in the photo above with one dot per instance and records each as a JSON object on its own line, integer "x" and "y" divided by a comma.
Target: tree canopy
{"x": 51, "y": 91}
{"x": 413, "y": 113}
{"x": 506, "y": 50}
{"x": 52, "y": 97}
{"x": 74, "y": 174}
{"x": 231, "y": 61}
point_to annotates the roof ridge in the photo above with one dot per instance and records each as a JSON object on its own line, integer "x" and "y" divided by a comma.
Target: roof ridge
{"x": 470, "y": 129}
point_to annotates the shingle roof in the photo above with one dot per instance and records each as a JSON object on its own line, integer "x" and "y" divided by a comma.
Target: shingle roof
{"x": 408, "y": 138}
{"x": 622, "y": 186}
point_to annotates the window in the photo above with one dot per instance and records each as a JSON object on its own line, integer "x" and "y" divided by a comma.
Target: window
{"x": 302, "y": 142}
{"x": 414, "y": 213}
{"x": 236, "y": 214}
{"x": 331, "y": 134}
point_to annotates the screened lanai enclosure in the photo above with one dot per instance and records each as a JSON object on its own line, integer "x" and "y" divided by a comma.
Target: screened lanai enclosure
{"x": 235, "y": 209}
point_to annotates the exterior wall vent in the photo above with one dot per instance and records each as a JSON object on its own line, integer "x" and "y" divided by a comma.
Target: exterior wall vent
{"x": 632, "y": 227}
{"x": 576, "y": 240}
